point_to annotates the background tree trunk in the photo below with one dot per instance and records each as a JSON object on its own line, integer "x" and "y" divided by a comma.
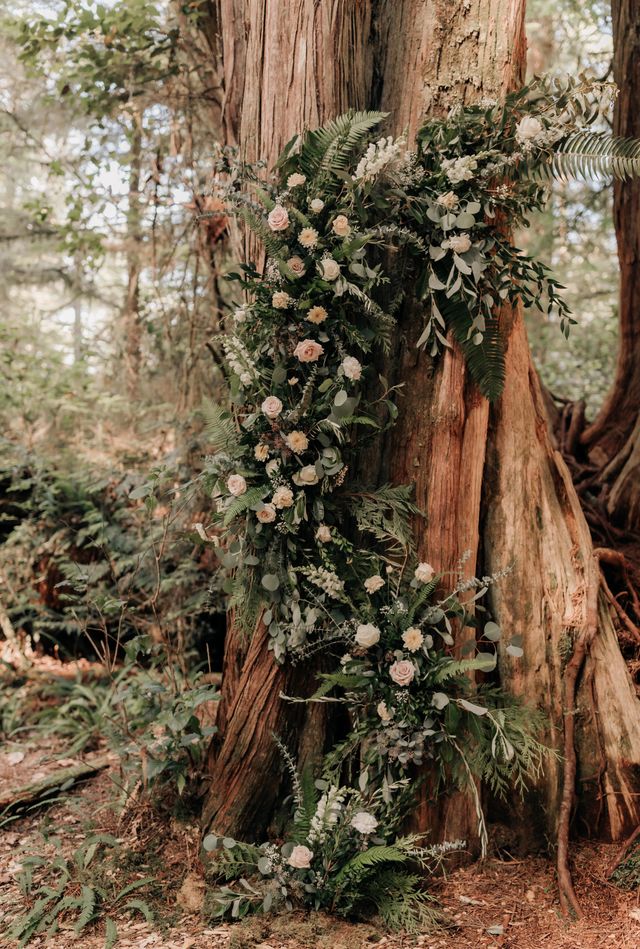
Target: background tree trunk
{"x": 613, "y": 440}
{"x": 491, "y": 482}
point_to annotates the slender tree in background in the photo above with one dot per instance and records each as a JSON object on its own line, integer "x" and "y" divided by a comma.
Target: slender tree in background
{"x": 490, "y": 480}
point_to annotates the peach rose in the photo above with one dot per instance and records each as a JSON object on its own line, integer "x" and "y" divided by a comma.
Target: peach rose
{"x": 267, "y": 514}
{"x": 296, "y": 179}
{"x": 272, "y": 406}
{"x": 308, "y": 350}
{"x": 341, "y": 226}
{"x": 296, "y": 265}
{"x": 323, "y": 534}
{"x": 281, "y": 300}
{"x": 278, "y": 218}
{"x": 282, "y": 497}
{"x": 402, "y": 672}
{"x": 236, "y": 485}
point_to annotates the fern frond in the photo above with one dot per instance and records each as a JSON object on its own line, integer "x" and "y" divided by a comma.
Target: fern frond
{"x": 485, "y": 360}
{"x": 245, "y": 501}
{"x": 360, "y": 865}
{"x": 327, "y": 150}
{"x": 402, "y": 901}
{"x": 386, "y": 514}
{"x": 589, "y": 155}
{"x": 219, "y": 427}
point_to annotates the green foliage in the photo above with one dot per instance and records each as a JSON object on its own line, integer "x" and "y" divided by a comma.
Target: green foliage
{"x": 627, "y": 874}
{"x": 80, "y": 889}
{"x": 327, "y": 151}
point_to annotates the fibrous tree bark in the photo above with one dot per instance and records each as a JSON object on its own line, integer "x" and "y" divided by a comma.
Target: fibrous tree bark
{"x": 613, "y": 440}
{"x": 493, "y": 485}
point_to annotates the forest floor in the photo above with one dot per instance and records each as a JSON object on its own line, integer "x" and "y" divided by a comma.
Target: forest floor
{"x": 499, "y": 903}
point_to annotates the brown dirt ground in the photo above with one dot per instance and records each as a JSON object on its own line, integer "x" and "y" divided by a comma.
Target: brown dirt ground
{"x": 518, "y": 895}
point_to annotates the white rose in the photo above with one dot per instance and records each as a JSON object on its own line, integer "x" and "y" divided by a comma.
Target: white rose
{"x": 373, "y": 583}
{"x": 448, "y": 200}
{"x": 367, "y": 635}
{"x": 459, "y": 243}
{"x": 383, "y": 711}
{"x": 236, "y": 485}
{"x": 278, "y": 219}
{"x": 424, "y": 573}
{"x": 528, "y": 128}
{"x": 364, "y": 823}
{"x": 272, "y": 406}
{"x": 341, "y": 226}
{"x": 297, "y": 442}
{"x": 351, "y": 367}
{"x": 282, "y": 497}
{"x": 308, "y": 237}
{"x": 316, "y": 205}
{"x": 261, "y": 452}
{"x": 281, "y": 300}
{"x": 308, "y": 350}
{"x": 323, "y": 534}
{"x": 296, "y": 179}
{"x": 402, "y": 672}
{"x": 306, "y": 476}
{"x": 267, "y": 514}
{"x": 300, "y": 858}
{"x": 329, "y": 268}
{"x": 317, "y": 314}
{"x": 412, "y": 638}
{"x": 296, "y": 265}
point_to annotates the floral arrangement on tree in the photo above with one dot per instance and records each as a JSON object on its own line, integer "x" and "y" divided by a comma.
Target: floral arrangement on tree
{"x": 352, "y": 228}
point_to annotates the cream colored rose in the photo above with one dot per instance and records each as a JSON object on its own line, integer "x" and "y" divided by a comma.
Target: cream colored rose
{"x": 306, "y": 476}
{"x": 297, "y": 441}
{"x": 261, "y": 452}
{"x": 323, "y": 534}
{"x": 329, "y": 268}
{"x": 267, "y": 514}
{"x": 351, "y": 367}
{"x": 281, "y": 300}
{"x": 236, "y": 485}
{"x": 528, "y": 128}
{"x": 278, "y": 219}
{"x": 424, "y": 573}
{"x": 282, "y": 497}
{"x": 448, "y": 200}
{"x": 383, "y": 711}
{"x": 308, "y": 237}
{"x": 296, "y": 265}
{"x": 317, "y": 314}
{"x": 363, "y": 822}
{"x": 272, "y": 406}
{"x": 272, "y": 467}
{"x": 296, "y": 179}
{"x": 371, "y": 584}
{"x": 316, "y": 205}
{"x": 308, "y": 350}
{"x": 300, "y": 858}
{"x": 402, "y": 672}
{"x": 341, "y": 226}
{"x": 459, "y": 243}
{"x": 412, "y": 638}
{"x": 367, "y": 635}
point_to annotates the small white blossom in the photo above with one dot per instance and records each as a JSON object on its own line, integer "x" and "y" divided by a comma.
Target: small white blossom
{"x": 459, "y": 169}
{"x": 296, "y": 179}
{"x": 528, "y": 129}
{"x": 379, "y": 156}
{"x": 424, "y": 573}
{"x": 323, "y": 534}
{"x": 281, "y": 300}
{"x": 374, "y": 583}
{"x": 458, "y": 243}
{"x": 351, "y": 367}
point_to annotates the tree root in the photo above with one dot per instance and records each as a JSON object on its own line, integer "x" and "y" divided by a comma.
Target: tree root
{"x": 621, "y": 853}
{"x": 568, "y": 899}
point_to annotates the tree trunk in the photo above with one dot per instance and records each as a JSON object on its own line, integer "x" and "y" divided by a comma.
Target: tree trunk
{"x": 491, "y": 482}
{"x": 132, "y": 332}
{"x": 613, "y": 441}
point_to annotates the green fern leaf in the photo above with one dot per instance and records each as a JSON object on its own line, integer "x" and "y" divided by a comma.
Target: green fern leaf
{"x": 363, "y": 862}
{"x": 485, "y": 360}
{"x": 219, "y": 427}
{"x": 111, "y": 933}
{"x": 327, "y": 150}
{"x": 589, "y": 155}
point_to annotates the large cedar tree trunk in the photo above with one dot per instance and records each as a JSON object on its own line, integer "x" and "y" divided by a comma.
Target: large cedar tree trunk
{"x": 490, "y": 480}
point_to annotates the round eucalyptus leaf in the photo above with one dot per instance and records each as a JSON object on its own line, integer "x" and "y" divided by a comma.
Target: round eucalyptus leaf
{"x": 270, "y": 582}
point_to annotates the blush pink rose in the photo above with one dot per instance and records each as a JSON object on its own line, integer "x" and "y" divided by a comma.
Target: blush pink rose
{"x": 308, "y": 350}
{"x": 278, "y": 219}
{"x": 402, "y": 672}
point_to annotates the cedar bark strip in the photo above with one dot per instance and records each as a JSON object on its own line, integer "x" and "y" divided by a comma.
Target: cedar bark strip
{"x": 491, "y": 481}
